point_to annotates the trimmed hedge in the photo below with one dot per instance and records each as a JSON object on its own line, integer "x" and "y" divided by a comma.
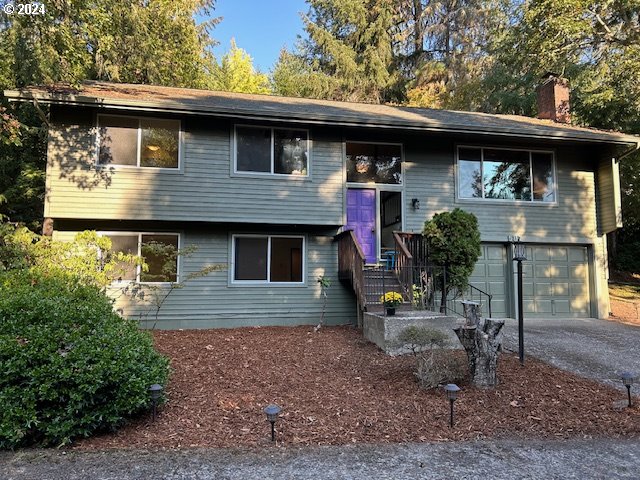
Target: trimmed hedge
{"x": 69, "y": 365}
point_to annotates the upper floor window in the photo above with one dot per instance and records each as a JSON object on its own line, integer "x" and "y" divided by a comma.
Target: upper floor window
{"x": 272, "y": 151}
{"x": 374, "y": 163}
{"x": 504, "y": 174}
{"x": 159, "y": 251}
{"x": 138, "y": 142}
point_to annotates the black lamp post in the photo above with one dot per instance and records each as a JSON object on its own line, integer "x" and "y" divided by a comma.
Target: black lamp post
{"x": 627, "y": 381}
{"x": 519, "y": 255}
{"x": 272, "y": 412}
{"x": 452, "y": 393}
{"x": 155, "y": 391}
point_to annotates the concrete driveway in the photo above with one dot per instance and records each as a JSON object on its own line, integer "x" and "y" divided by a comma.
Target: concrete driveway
{"x": 592, "y": 348}
{"x": 496, "y": 460}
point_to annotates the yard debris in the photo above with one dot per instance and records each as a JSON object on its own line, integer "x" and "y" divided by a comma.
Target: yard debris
{"x": 340, "y": 389}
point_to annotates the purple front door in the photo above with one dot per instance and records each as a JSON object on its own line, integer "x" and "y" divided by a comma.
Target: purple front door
{"x": 361, "y": 218}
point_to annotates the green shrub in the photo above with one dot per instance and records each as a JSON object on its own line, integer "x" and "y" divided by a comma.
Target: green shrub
{"x": 69, "y": 366}
{"x": 627, "y": 257}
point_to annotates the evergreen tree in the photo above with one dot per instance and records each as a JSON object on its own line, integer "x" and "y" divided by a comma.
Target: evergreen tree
{"x": 155, "y": 41}
{"x": 352, "y": 42}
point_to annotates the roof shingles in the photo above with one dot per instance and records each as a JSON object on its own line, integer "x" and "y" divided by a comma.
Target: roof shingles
{"x": 311, "y": 110}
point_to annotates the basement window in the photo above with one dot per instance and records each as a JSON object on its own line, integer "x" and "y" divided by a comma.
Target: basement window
{"x": 268, "y": 259}
{"x": 159, "y": 251}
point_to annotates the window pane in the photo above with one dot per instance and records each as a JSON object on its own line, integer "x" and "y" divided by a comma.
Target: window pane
{"x": 253, "y": 149}
{"x": 388, "y": 164}
{"x": 250, "y": 258}
{"x": 544, "y": 189}
{"x": 159, "y": 143}
{"x": 360, "y": 162}
{"x": 160, "y": 255}
{"x": 469, "y": 179}
{"x": 124, "y": 244}
{"x": 286, "y": 259}
{"x": 290, "y": 152}
{"x": 374, "y": 163}
{"x": 506, "y": 174}
{"x": 469, "y": 154}
{"x": 118, "y": 141}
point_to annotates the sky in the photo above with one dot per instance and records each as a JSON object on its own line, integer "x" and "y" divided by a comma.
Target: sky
{"x": 261, "y": 27}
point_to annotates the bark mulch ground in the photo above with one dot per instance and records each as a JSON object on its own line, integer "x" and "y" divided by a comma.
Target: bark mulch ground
{"x": 336, "y": 388}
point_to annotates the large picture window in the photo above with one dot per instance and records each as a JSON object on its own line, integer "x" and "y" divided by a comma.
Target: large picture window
{"x": 138, "y": 142}
{"x": 374, "y": 163}
{"x": 159, "y": 251}
{"x": 504, "y": 174}
{"x": 271, "y": 151}
{"x": 268, "y": 259}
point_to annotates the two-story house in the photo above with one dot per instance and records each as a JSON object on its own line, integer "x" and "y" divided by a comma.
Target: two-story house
{"x": 263, "y": 184}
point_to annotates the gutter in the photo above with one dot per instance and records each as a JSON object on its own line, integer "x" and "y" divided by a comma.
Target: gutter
{"x": 628, "y": 152}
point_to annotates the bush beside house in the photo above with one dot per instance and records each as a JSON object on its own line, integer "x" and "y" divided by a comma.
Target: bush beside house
{"x": 69, "y": 365}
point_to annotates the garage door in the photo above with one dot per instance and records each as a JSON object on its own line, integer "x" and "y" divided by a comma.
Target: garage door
{"x": 556, "y": 282}
{"x": 490, "y": 275}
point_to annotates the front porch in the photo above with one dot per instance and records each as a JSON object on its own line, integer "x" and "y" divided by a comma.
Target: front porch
{"x": 384, "y": 330}
{"x": 407, "y": 270}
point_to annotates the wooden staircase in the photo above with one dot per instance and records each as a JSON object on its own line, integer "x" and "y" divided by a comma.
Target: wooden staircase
{"x": 377, "y": 282}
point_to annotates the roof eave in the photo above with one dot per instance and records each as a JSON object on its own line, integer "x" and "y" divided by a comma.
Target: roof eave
{"x": 191, "y": 109}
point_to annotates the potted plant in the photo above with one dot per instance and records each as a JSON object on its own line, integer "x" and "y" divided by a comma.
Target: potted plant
{"x": 391, "y": 300}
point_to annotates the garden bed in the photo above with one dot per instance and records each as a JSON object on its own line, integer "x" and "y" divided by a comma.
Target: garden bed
{"x": 337, "y": 388}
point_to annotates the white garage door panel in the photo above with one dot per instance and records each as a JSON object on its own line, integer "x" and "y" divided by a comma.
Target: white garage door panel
{"x": 556, "y": 282}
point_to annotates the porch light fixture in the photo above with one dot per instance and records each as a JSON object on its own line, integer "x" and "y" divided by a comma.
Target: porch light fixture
{"x": 415, "y": 204}
{"x": 155, "y": 391}
{"x": 627, "y": 381}
{"x": 519, "y": 251}
{"x": 452, "y": 393}
{"x": 272, "y": 411}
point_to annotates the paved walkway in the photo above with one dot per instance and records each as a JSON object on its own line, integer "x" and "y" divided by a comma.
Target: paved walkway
{"x": 494, "y": 460}
{"x": 592, "y": 348}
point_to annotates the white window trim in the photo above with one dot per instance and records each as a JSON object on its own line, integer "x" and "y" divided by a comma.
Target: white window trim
{"x": 120, "y": 233}
{"x": 371, "y": 184}
{"x": 505, "y": 200}
{"x": 268, "y": 280}
{"x": 272, "y": 172}
{"x": 97, "y": 163}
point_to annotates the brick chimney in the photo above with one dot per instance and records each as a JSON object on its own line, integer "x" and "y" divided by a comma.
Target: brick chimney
{"x": 553, "y": 98}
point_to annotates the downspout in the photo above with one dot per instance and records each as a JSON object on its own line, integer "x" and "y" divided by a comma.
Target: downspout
{"x": 44, "y": 118}
{"x": 628, "y": 152}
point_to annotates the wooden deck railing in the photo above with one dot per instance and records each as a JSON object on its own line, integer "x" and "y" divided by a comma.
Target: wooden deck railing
{"x": 416, "y": 245}
{"x": 351, "y": 262}
{"x": 403, "y": 265}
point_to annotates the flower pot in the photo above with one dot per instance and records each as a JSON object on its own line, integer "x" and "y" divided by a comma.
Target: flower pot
{"x": 391, "y": 310}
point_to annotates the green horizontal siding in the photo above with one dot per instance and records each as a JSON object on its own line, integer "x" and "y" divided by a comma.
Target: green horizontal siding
{"x": 205, "y": 190}
{"x": 211, "y": 302}
{"x": 430, "y": 178}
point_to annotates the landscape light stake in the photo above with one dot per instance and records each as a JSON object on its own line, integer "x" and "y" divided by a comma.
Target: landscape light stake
{"x": 452, "y": 392}
{"x": 156, "y": 392}
{"x": 519, "y": 255}
{"x": 627, "y": 381}
{"x": 272, "y": 412}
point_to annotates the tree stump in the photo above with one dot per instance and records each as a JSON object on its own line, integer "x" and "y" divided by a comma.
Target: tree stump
{"x": 481, "y": 339}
